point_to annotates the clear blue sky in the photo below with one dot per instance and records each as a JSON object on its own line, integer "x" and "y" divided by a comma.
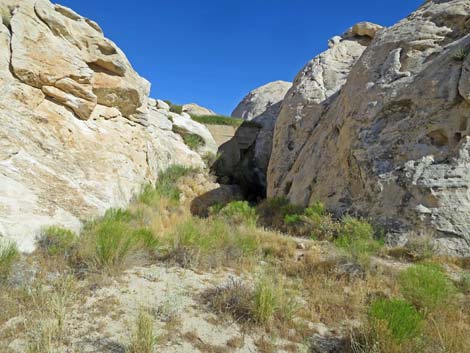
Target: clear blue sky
{"x": 213, "y": 52}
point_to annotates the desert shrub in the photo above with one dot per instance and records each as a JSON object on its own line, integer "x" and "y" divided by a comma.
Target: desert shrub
{"x": 266, "y": 302}
{"x": 108, "y": 243}
{"x": 233, "y": 298}
{"x": 143, "y": 338}
{"x": 166, "y": 186}
{"x": 401, "y": 318}
{"x": 416, "y": 249}
{"x": 167, "y": 182}
{"x": 292, "y": 219}
{"x": 464, "y": 283}
{"x": 176, "y": 108}
{"x": 426, "y": 286}
{"x": 356, "y": 236}
{"x": 8, "y": 256}
{"x": 272, "y": 212}
{"x": 58, "y": 241}
{"x": 460, "y": 54}
{"x": 209, "y": 243}
{"x": 317, "y": 208}
{"x": 240, "y": 212}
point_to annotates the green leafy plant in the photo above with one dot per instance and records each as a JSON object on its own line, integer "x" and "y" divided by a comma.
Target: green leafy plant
{"x": 426, "y": 286}
{"x": 401, "y": 318}
{"x": 223, "y": 120}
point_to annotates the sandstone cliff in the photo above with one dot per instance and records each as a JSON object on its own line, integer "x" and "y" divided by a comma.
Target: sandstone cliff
{"x": 78, "y": 133}
{"x": 386, "y": 136}
{"x": 244, "y": 159}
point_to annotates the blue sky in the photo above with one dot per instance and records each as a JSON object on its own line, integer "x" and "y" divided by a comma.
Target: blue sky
{"x": 213, "y": 52}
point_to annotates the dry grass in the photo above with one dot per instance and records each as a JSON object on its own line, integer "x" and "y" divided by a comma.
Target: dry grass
{"x": 143, "y": 338}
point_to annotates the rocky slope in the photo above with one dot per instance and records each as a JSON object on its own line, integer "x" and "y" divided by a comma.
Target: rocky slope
{"x": 78, "y": 133}
{"x": 386, "y": 136}
{"x": 244, "y": 159}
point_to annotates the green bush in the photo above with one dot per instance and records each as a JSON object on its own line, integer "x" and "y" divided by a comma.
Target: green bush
{"x": 426, "y": 286}
{"x": 8, "y": 256}
{"x": 166, "y": 186}
{"x": 292, "y": 219}
{"x": 175, "y": 108}
{"x": 356, "y": 236}
{"x": 108, "y": 243}
{"x": 56, "y": 241}
{"x": 401, "y": 319}
{"x": 317, "y": 208}
{"x": 240, "y": 212}
{"x": 193, "y": 141}
{"x": 209, "y": 243}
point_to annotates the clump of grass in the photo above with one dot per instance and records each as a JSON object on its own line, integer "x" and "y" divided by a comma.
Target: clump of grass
{"x": 166, "y": 186}
{"x": 240, "y": 212}
{"x": 143, "y": 338}
{"x": 223, "y": 120}
{"x": 266, "y": 302}
{"x": 175, "y": 108}
{"x": 193, "y": 141}
{"x": 109, "y": 243}
{"x": 272, "y": 212}
{"x": 427, "y": 287}
{"x": 356, "y": 236}
{"x": 401, "y": 319}
{"x": 460, "y": 54}
{"x": 416, "y": 249}
{"x": 209, "y": 243}
{"x": 8, "y": 256}
{"x": 55, "y": 241}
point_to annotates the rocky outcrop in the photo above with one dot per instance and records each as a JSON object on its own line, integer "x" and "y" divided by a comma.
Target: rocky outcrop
{"x": 78, "y": 133}
{"x": 194, "y": 109}
{"x": 244, "y": 159}
{"x": 263, "y": 101}
{"x": 383, "y": 131}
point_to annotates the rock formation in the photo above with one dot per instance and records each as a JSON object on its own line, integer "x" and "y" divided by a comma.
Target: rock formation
{"x": 78, "y": 133}
{"x": 244, "y": 159}
{"x": 195, "y": 109}
{"x": 383, "y": 131}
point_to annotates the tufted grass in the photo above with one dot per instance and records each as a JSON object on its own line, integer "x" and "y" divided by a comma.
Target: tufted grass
{"x": 427, "y": 287}
{"x": 9, "y": 254}
{"x": 143, "y": 338}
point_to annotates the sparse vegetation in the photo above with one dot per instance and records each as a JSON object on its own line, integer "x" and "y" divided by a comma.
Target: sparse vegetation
{"x": 427, "y": 287}
{"x": 143, "y": 338}
{"x": 221, "y": 120}
{"x": 460, "y": 54}
{"x": 400, "y": 318}
{"x": 55, "y": 241}
{"x": 8, "y": 255}
{"x": 280, "y": 286}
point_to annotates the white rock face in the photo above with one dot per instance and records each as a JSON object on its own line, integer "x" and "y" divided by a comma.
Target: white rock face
{"x": 244, "y": 159}
{"x": 195, "y": 109}
{"x": 264, "y": 100}
{"x": 384, "y": 132}
{"x": 76, "y": 133}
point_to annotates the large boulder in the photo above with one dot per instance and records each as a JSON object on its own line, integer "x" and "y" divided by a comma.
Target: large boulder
{"x": 77, "y": 135}
{"x": 195, "y": 109}
{"x": 244, "y": 159}
{"x": 386, "y": 136}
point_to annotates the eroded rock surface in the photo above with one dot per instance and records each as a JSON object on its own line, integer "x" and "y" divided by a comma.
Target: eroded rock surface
{"x": 244, "y": 159}
{"x": 383, "y": 131}
{"x": 78, "y": 133}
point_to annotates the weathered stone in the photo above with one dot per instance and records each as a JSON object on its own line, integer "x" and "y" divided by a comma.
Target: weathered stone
{"x": 392, "y": 142}
{"x": 194, "y": 109}
{"x": 56, "y": 169}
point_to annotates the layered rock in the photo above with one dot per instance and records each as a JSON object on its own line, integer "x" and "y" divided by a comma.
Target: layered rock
{"x": 77, "y": 133}
{"x": 384, "y": 132}
{"x": 244, "y": 159}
